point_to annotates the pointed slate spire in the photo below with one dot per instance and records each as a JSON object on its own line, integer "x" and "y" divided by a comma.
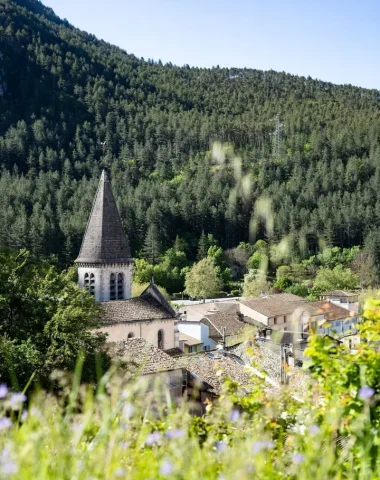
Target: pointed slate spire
{"x": 104, "y": 240}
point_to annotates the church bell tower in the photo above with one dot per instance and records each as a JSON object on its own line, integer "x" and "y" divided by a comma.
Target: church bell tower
{"x": 105, "y": 262}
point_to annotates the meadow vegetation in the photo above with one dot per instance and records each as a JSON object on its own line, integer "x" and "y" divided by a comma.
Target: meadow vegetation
{"x": 129, "y": 428}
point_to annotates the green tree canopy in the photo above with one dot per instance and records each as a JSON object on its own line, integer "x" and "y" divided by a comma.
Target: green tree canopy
{"x": 46, "y": 320}
{"x": 202, "y": 280}
{"x": 333, "y": 279}
{"x": 255, "y": 283}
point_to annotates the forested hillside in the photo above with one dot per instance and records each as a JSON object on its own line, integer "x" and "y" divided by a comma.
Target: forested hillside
{"x": 71, "y": 104}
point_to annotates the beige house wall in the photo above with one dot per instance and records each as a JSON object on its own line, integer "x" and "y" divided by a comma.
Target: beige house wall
{"x": 249, "y": 312}
{"x": 147, "y": 330}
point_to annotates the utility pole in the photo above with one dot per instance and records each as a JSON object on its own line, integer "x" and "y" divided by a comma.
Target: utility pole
{"x": 286, "y": 355}
{"x": 277, "y": 136}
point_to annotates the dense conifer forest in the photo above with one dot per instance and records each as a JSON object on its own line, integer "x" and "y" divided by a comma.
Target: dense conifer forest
{"x": 71, "y": 104}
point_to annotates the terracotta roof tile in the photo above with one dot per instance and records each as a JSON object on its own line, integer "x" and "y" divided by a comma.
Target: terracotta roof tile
{"x": 215, "y": 371}
{"x": 330, "y": 310}
{"x": 277, "y": 304}
{"x": 188, "y": 339}
{"x": 149, "y": 359}
{"x": 146, "y": 357}
{"x": 338, "y": 293}
{"x": 137, "y": 308}
{"x": 227, "y": 320}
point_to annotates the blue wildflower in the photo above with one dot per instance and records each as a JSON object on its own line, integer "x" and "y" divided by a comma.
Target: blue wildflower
{"x": 172, "y": 434}
{"x": 152, "y": 438}
{"x": 298, "y": 458}
{"x": 314, "y": 429}
{"x": 260, "y": 445}
{"x": 17, "y": 399}
{"x": 366, "y": 392}
{"x": 220, "y": 445}
{"x": 5, "y": 422}
{"x": 234, "y": 415}
{"x": 8, "y": 468}
{"x": 3, "y": 390}
{"x": 166, "y": 467}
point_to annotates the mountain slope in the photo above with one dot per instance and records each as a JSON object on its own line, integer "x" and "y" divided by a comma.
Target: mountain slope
{"x": 63, "y": 93}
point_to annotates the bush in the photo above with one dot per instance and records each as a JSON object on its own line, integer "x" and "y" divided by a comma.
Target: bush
{"x": 298, "y": 289}
{"x": 138, "y": 288}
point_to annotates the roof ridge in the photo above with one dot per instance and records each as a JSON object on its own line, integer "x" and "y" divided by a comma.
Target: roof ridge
{"x": 216, "y": 328}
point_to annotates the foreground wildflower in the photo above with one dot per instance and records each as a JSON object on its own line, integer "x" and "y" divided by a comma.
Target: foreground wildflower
{"x": 3, "y": 390}
{"x": 234, "y": 416}
{"x": 366, "y": 392}
{"x": 298, "y": 458}
{"x": 17, "y": 399}
{"x": 220, "y": 446}
{"x": 5, "y": 423}
{"x": 314, "y": 429}
{"x": 166, "y": 467}
{"x": 260, "y": 445}
{"x": 172, "y": 434}
{"x": 153, "y": 438}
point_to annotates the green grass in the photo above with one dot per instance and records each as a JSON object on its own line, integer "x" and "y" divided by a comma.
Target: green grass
{"x": 130, "y": 429}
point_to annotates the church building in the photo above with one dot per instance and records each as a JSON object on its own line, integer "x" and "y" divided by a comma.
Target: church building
{"x": 105, "y": 266}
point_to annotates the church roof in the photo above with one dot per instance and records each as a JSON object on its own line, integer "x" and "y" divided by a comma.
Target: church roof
{"x": 135, "y": 309}
{"x": 146, "y": 357}
{"x": 104, "y": 240}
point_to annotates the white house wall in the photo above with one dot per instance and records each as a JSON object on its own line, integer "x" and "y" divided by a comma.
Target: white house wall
{"x": 197, "y": 330}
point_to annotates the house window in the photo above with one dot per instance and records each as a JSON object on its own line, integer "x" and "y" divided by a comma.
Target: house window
{"x": 87, "y": 281}
{"x": 275, "y": 321}
{"x": 120, "y": 286}
{"x": 160, "y": 339}
{"x": 112, "y": 287}
{"x": 130, "y": 335}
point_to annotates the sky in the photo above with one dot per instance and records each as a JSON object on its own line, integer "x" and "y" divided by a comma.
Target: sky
{"x": 335, "y": 40}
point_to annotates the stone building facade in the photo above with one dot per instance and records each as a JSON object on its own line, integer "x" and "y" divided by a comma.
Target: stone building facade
{"x": 105, "y": 267}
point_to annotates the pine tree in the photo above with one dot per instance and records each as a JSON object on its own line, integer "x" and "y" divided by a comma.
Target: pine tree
{"x": 202, "y": 246}
{"x": 152, "y": 247}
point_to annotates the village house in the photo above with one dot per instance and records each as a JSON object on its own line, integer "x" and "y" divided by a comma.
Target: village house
{"x": 198, "y": 330}
{"x": 228, "y": 328}
{"x": 195, "y": 313}
{"x": 189, "y": 344}
{"x": 198, "y": 377}
{"x": 274, "y": 311}
{"x": 105, "y": 269}
{"x": 337, "y": 320}
{"x": 347, "y": 300}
